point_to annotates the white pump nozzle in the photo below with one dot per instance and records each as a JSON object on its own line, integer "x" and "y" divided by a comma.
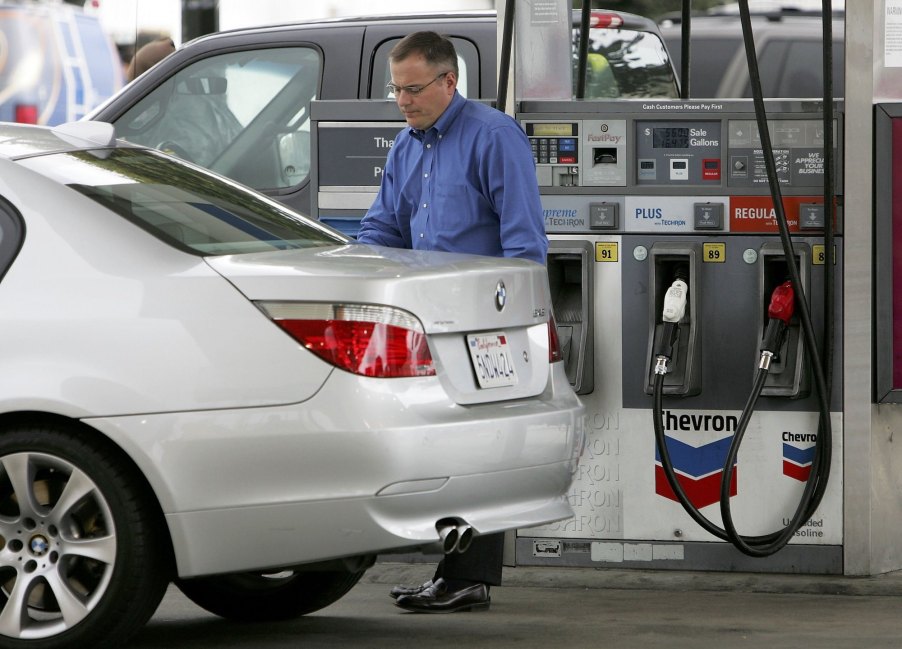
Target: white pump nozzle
{"x": 675, "y": 301}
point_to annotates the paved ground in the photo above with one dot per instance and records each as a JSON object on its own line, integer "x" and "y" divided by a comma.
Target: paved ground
{"x": 551, "y": 608}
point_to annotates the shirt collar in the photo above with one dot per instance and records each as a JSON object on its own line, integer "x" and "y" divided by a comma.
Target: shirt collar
{"x": 443, "y": 123}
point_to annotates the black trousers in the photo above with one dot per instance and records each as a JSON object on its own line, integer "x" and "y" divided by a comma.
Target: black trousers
{"x": 481, "y": 563}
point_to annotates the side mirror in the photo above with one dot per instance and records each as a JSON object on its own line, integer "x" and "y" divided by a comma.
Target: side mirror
{"x": 294, "y": 156}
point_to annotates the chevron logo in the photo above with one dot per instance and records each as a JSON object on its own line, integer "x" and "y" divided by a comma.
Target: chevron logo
{"x": 699, "y": 470}
{"x": 797, "y": 461}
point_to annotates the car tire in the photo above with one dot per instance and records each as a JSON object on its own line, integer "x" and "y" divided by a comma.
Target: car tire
{"x": 268, "y": 597}
{"x": 82, "y": 563}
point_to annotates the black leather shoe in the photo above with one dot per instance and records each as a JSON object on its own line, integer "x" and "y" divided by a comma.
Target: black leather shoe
{"x": 398, "y": 591}
{"x": 438, "y": 599}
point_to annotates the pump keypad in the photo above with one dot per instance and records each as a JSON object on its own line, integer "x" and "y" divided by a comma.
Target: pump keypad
{"x": 554, "y": 150}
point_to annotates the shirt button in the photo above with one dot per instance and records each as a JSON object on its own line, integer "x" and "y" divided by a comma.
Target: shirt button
{"x": 424, "y": 205}
{"x": 421, "y": 235}
{"x": 428, "y": 146}
{"x": 425, "y": 175}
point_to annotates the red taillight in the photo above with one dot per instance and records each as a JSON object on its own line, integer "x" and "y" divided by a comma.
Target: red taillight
{"x": 374, "y": 341}
{"x": 554, "y": 343}
{"x": 26, "y": 113}
{"x": 600, "y": 19}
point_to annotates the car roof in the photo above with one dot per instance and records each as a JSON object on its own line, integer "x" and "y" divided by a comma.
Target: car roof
{"x": 775, "y": 12}
{"x": 775, "y": 21}
{"x": 630, "y": 21}
{"x": 730, "y": 25}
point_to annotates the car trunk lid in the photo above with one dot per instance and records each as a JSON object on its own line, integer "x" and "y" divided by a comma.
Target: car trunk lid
{"x": 485, "y": 318}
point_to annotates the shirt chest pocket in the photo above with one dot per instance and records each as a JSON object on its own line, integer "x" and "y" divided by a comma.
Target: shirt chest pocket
{"x": 459, "y": 206}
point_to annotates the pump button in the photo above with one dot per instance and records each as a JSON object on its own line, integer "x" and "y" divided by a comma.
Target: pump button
{"x": 604, "y": 216}
{"x": 647, "y": 169}
{"x": 811, "y": 216}
{"x": 708, "y": 216}
{"x": 711, "y": 169}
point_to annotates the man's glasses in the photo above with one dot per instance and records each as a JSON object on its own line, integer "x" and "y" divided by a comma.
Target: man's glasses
{"x": 411, "y": 90}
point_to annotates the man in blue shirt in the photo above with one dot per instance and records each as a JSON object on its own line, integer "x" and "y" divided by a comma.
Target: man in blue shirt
{"x": 461, "y": 178}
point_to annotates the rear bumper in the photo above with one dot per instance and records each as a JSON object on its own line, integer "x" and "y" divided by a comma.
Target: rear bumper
{"x": 265, "y": 487}
{"x": 251, "y": 538}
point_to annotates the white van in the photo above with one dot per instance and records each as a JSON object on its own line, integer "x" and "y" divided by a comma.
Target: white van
{"x": 56, "y": 63}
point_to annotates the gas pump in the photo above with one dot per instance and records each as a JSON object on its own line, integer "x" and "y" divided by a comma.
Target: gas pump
{"x": 669, "y": 266}
{"x": 699, "y": 349}
{"x": 668, "y": 192}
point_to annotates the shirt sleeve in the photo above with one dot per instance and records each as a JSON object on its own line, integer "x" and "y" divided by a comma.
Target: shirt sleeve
{"x": 515, "y": 193}
{"x": 380, "y": 225}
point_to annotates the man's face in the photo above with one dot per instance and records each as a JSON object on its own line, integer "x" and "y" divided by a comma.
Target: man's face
{"x": 422, "y": 109}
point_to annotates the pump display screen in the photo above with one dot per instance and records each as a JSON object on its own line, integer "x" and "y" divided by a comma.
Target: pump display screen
{"x": 557, "y": 129}
{"x": 670, "y": 138}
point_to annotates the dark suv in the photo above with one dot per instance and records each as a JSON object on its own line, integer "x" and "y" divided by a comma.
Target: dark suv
{"x": 789, "y": 46}
{"x": 238, "y": 102}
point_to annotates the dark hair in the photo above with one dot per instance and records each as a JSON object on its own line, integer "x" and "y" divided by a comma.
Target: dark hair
{"x": 438, "y": 50}
{"x": 148, "y": 56}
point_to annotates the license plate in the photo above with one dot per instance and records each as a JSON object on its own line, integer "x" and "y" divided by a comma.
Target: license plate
{"x": 491, "y": 359}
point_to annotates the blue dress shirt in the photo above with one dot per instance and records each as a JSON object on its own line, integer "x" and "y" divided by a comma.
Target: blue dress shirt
{"x": 467, "y": 184}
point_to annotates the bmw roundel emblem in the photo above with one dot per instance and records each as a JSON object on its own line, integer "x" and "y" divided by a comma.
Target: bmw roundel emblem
{"x": 500, "y": 295}
{"x": 39, "y": 545}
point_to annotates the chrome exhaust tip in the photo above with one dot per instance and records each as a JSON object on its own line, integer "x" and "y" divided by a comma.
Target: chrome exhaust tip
{"x": 465, "y": 537}
{"x": 449, "y": 535}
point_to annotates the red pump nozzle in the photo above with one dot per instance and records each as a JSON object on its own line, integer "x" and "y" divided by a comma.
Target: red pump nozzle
{"x": 779, "y": 313}
{"x": 782, "y": 303}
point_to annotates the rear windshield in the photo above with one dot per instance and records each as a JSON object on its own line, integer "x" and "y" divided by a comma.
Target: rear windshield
{"x": 183, "y": 206}
{"x": 625, "y": 64}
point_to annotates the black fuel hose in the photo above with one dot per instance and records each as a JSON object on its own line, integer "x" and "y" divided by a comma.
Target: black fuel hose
{"x": 829, "y": 198}
{"x": 816, "y": 483}
{"x": 504, "y": 65}
{"x": 583, "y": 51}
{"x": 670, "y": 475}
{"x": 685, "y": 49}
